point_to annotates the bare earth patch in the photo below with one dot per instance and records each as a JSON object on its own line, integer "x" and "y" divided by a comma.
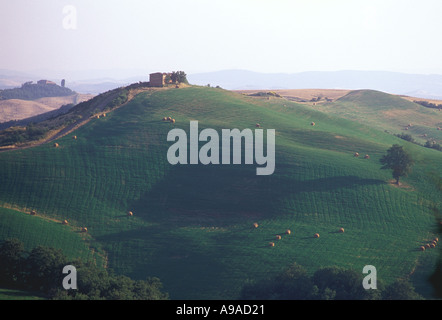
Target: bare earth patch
{"x": 401, "y": 185}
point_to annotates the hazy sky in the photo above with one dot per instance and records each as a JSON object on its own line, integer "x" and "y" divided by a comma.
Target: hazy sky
{"x": 198, "y": 36}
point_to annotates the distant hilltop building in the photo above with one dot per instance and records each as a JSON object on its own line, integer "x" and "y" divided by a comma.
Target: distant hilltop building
{"x": 159, "y": 79}
{"x": 45, "y": 82}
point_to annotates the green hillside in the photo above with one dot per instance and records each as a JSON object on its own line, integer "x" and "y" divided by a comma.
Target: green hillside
{"x": 387, "y": 112}
{"x": 193, "y": 224}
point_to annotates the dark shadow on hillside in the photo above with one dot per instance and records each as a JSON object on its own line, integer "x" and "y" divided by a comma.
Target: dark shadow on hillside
{"x": 149, "y": 252}
{"x": 224, "y": 195}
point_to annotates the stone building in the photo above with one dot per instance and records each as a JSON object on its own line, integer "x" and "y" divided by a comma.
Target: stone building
{"x": 157, "y": 79}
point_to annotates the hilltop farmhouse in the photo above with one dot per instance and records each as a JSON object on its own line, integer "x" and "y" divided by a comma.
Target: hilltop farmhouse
{"x": 45, "y": 82}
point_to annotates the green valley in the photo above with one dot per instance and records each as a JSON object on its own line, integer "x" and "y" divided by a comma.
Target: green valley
{"x": 192, "y": 225}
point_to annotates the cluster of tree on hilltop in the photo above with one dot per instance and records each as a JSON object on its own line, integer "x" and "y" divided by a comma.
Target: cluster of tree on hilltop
{"x": 32, "y": 91}
{"x": 40, "y": 270}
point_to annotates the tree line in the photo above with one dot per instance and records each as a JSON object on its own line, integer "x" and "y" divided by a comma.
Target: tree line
{"x": 330, "y": 283}
{"x": 428, "y": 104}
{"x": 428, "y": 144}
{"x": 40, "y": 270}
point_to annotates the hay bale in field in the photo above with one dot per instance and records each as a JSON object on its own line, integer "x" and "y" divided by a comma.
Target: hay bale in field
{"x": 257, "y": 125}
{"x": 278, "y": 237}
{"x": 84, "y": 229}
{"x": 422, "y": 248}
{"x": 406, "y": 128}
{"x": 255, "y": 225}
{"x": 313, "y": 124}
{"x": 74, "y": 137}
{"x": 288, "y": 231}
{"x": 56, "y": 145}
{"x": 65, "y": 222}
{"x": 427, "y": 245}
{"x": 356, "y": 154}
{"x": 169, "y": 118}
{"x": 97, "y": 116}
{"x": 434, "y": 243}
{"x": 366, "y": 156}
{"x": 173, "y": 120}
{"x": 432, "y": 246}
{"x": 341, "y": 230}
{"x": 271, "y": 244}
{"x": 165, "y": 119}
{"x": 410, "y": 125}
{"x": 104, "y": 115}
{"x": 130, "y": 213}
{"x": 316, "y": 235}
{"x": 436, "y": 239}
{"x": 33, "y": 213}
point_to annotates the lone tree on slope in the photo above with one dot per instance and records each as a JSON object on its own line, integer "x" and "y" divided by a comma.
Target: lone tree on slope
{"x": 398, "y": 160}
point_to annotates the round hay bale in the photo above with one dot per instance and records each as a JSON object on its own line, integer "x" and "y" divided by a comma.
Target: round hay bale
{"x": 366, "y": 156}
{"x": 410, "y": 125}
{"x": 84, "y": 229}
{"x": 165, "y": 119}
{"x": 406, "y": 128}
{"x": 97, "y": 116}
{"x": 130, "y": 214}
{"x": 74, "y": 137}
{"x": 341, "y": 230}
{"x": 436, "y": 239}
{"x": 356, "y": 154}
{"x": 173, "y": 120}
{"x": 33, "y": 213}
{"x": 422, "y": 248}
{"x": 65, "y": 222}
{"x": 56, "y": 145}
{"x": 434, "y": 243}
{"x": 427, "y": 245}
{"x": 278, "y": 237}
{"x": 169, "y": 118}
{"x": 432, "y": 246}
{"x": 313, "y": 124}
{"x": 257, "y": 125}
{"x": 288, "y": 231}
{"x": 255, "y": 225}
{"x": 104, "y": 115}
{"x": 316, "y": 235}
{"x": 271, "y": 244}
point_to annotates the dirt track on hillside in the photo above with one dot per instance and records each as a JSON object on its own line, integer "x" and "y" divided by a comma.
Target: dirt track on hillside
{"x": 85, "y": 118}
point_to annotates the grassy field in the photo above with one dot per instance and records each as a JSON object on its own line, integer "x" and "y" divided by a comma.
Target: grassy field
{"x": 192, "y": 224}
{"x": 7, "y": 294}
{"x": 38, "y": 230}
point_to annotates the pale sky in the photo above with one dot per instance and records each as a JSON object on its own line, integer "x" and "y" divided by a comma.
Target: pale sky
{"x": 268, "y": 36}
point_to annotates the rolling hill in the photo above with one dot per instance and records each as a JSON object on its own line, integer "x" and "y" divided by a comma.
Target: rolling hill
{"x": 18, "y": 109}
{"x": 193, "y": 224}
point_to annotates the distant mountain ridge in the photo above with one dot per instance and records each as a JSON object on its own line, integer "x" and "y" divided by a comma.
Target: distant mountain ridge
{"x": 427, "y": 86}
{"x": 416, "y": 85}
